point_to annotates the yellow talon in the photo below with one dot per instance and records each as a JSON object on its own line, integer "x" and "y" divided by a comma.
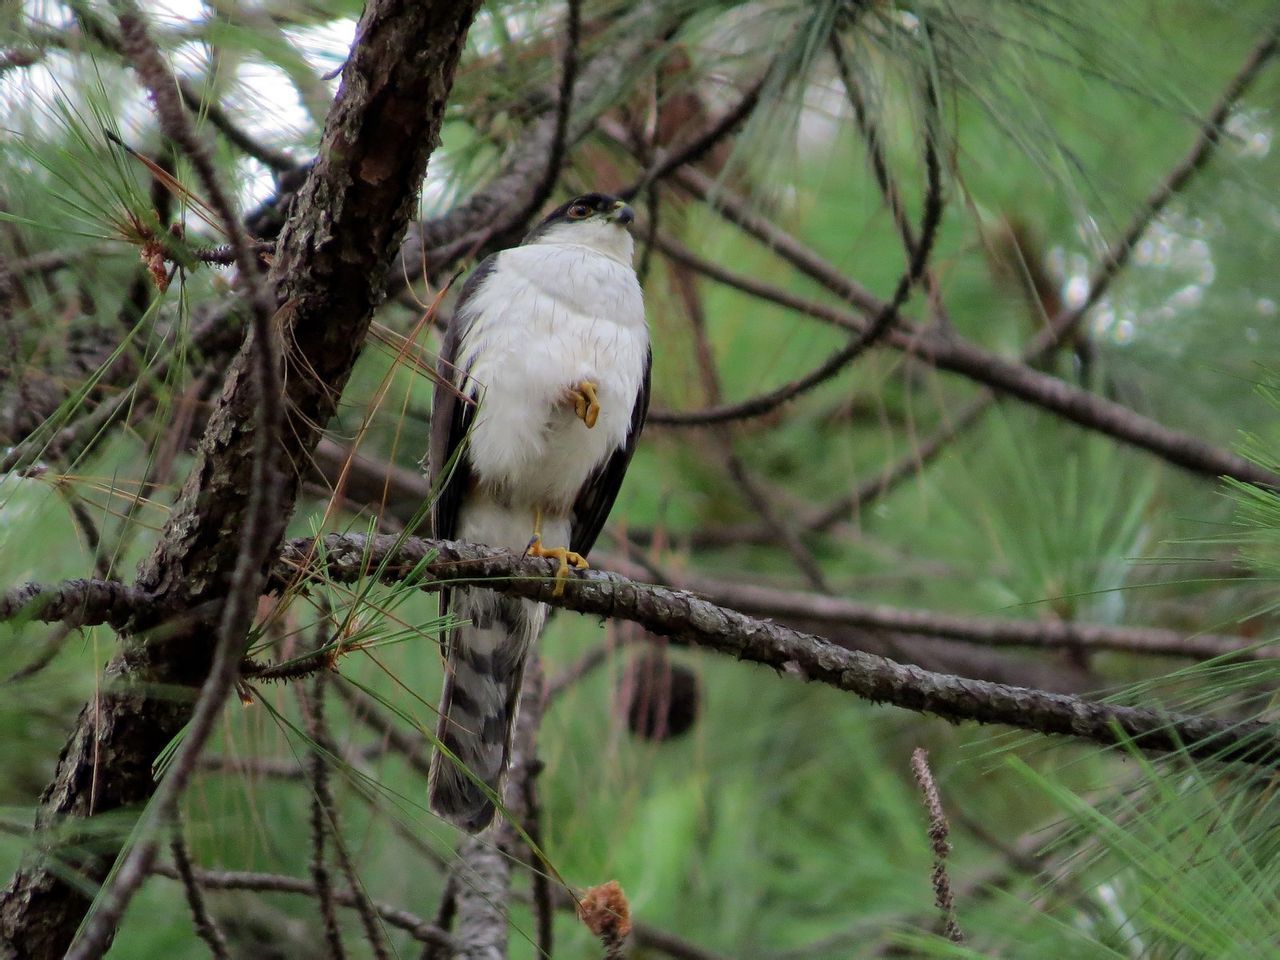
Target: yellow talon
{"x": 566, "y": 557}
{"x": 585, "y": 403}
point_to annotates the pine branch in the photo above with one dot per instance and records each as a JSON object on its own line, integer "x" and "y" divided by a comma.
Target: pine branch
{"x": 91, "y": 602}
{"x": 689, "y": 619}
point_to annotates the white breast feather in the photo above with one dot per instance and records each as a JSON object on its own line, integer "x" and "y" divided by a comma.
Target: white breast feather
{"x": 548, "y": 317}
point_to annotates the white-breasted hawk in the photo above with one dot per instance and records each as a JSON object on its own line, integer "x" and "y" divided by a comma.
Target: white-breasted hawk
{"x": 544, "y": 385}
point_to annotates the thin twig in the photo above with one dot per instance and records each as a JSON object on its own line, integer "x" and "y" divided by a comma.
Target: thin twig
{"x": 867, "y": 337}
{"x": 48, "y": 650}
{"x": 266, "y": 154}
{"x": 364, "y": 906}
{"x": 885, "y": 180}
{"x": 645, "y": 150}
{"x": 1210, "y": 134}
{"x": 1187, "y": 452}
{"x": 912, "y": 464}
{"x": 781, "y": 531}
{"x": 317, "y": 662}
{"x": 418, "y": 928}
{"x": 445, "y": 914}
{"x": 703, "y": 144}
{"x": 594, "y": 658}
{"x": 205, "y": 926}
{"x": 958, "y": 356}
{"x": 253, "y": 767}
{"x": 653, "y": 938}
{"x": 68, "y": 441}
{"x": 100, "y": 31}
{"x": 941, "y": 847}
{"x": 414, "y": 749}
{"x": 241, "y": 599}
{"x": 875, "y": 146}
{"x": 1062, "y": 325}
{"x": 88, "y": 528}
{"x": 564, "y": 104}
{"x": 321, "y": 806}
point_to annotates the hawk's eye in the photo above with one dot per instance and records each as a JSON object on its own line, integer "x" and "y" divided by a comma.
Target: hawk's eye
{"x": 579, "y": 211}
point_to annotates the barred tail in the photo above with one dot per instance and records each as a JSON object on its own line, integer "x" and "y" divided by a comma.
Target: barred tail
{"x": 483, "y": 674}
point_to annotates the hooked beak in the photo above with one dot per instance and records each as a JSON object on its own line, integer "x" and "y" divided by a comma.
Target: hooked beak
{"x": 622, "y": 214}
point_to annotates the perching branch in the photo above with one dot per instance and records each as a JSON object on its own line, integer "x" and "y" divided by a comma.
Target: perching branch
{"x": 823, "y": 612}
{"x": 686, "y": 618}
{"x": 90, "y": 602}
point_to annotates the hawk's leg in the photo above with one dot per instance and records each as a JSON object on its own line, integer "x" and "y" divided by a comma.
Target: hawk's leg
{"x": 585, "y": 402}
{"x": 566, "y": 556}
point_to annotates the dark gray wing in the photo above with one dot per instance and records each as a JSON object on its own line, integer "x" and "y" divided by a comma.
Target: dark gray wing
{"x": 448, "y": 467}
{"x": 595, "y": 499}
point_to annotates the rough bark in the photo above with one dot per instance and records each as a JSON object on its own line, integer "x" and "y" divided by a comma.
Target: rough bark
{"x": 76, "y": 603}
{"x": 329, "y": 274}
{"x": 689, "y": 619}
{"x": 826, "y": 613}
{"x": 82, "y": 602}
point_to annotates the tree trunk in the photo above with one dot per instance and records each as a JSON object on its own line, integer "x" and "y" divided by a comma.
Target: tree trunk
{"x": 329, "y": 274}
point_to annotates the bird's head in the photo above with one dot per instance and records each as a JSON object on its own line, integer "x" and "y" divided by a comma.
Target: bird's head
{"x": 594, "y": 220}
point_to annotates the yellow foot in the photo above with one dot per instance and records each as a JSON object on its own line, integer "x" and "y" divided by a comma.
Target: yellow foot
{"x": 566, "y": 557}
{"x": 585, "y": 402}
